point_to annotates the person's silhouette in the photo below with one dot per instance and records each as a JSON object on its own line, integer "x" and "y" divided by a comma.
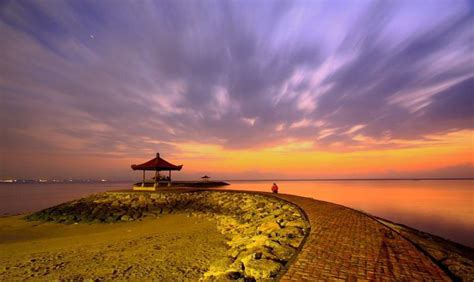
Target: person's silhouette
{"x": 274, "y": 188}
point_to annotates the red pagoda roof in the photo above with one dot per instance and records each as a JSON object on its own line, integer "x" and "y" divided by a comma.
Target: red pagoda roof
{"x": 157, "y": 164}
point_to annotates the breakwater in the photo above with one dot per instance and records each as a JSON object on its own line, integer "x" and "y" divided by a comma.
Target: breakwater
{"x": 263, "y": 233}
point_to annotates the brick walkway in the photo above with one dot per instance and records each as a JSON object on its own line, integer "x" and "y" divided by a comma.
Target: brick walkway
{"x": 347, "y": 245}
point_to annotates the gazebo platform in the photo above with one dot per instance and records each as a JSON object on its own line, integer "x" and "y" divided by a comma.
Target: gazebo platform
{"x": 150, "y": 186}
{"x": 158, "y": 164}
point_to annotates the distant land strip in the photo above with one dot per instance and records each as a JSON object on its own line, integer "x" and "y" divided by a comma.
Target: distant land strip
{"x": 29, "y": 181}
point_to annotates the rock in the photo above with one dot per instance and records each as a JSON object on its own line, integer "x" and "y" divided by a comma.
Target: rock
{"x": 296, "y": 223}
{"x": 282, "y": 252}
{"x": 227, "y": 224}
{"x": 261, "y": 269}
{"x": 223, "y": 268}
{"x": 149, "y": 214}
{"x": 268, "y": 227}
{"x": 136, "y": 215}
{"x": 239, "y": 240}
{"x": 125, "y": 218}
{"x": 287, "y": 233}
{"x": 115, "y": 204}
{"x": 271, "y": 244}
{"x": 142, "y": 199}
{"x": 296, "y": 242}
{"x": 234, "y": 275}
{"x": 113, "y": 218}
{"x": 260, "y": 252}
{"x": 256, "y": 241}
{"x": 235, "y": 252}
{"x": 276, "y": 212}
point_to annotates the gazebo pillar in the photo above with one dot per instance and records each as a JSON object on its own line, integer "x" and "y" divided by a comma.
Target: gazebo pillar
{"x": 143, "y": 181}
{"x": 169, "y": 178}
{"x": 156, "y": 178}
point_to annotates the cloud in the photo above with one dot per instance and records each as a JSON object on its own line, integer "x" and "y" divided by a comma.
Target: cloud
{"x": 98, "y": 77}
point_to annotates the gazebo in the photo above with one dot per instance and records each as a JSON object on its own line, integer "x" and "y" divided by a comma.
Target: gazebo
{"x": 157, "y": 164}
{"x": 205, "y": 178}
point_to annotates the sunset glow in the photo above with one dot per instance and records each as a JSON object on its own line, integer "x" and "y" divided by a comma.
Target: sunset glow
{"x": 301, "y": 160}
{"x": 321, "y": 89}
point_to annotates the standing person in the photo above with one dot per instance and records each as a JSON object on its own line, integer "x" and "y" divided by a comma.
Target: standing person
{"x": 274, "y": 188}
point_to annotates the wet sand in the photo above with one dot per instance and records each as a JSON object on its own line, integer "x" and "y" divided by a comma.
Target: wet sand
{"x": 163, "y": 248}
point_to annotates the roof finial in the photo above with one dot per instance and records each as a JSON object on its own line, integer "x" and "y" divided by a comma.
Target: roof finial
{"x": 157, "y": 155}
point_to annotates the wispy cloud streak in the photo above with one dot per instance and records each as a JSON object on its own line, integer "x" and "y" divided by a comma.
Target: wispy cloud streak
{"x": 122, "y": 77}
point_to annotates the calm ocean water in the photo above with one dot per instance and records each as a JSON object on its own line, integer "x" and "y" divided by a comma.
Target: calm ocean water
{"x": 441, "y": 207}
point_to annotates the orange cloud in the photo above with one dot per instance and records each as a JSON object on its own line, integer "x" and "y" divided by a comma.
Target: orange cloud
{"x": 303, "y": 159}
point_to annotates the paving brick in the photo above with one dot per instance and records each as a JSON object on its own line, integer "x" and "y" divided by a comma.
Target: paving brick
{"x": 347, "y": 245}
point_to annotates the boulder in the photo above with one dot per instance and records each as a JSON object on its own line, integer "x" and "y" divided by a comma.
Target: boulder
{"x": 256, "y": 241}
{"x": 260, "y": 252}
{"x": 222, "y": 268}
{"x": 115, "y": 204}
{"x": 282, "y": 252}
{"x": 296, "y": 223}
{"x": 267, "y": 227}
{"x": 271, "y": 243}
{"x": 227, "y": 224}
{"x": 287, "y": 233}
{"x": 235, "y": 252}
{"x": 261, "y": 268}
{"x": 125, "y": 218}
{"x": 276, "y": 213}
{"x": 296, "y": 242}
{"x": 239, "y": 240}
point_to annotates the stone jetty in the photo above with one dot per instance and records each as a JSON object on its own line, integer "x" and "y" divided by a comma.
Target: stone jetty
{"x": 263, "y": 233}
{"x": 286, "y": 237}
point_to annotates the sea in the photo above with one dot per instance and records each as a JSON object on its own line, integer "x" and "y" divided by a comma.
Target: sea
{"x": 441, "y": 207}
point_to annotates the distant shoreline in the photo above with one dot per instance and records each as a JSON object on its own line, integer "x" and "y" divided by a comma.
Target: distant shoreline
{"x": 22, "y": 181}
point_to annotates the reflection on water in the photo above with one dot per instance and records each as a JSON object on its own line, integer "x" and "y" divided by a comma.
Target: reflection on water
{"x": 441, "y": 207}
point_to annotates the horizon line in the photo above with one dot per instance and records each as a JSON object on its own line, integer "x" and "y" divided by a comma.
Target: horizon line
{"x": 19, "y": 181}
{"x": 354, "y": 179}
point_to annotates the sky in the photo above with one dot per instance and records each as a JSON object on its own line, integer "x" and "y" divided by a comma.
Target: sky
{"x": 237, "y": 89}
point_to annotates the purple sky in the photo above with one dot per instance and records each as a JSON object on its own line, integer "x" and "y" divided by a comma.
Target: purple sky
{"x": 126, "y": 78}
